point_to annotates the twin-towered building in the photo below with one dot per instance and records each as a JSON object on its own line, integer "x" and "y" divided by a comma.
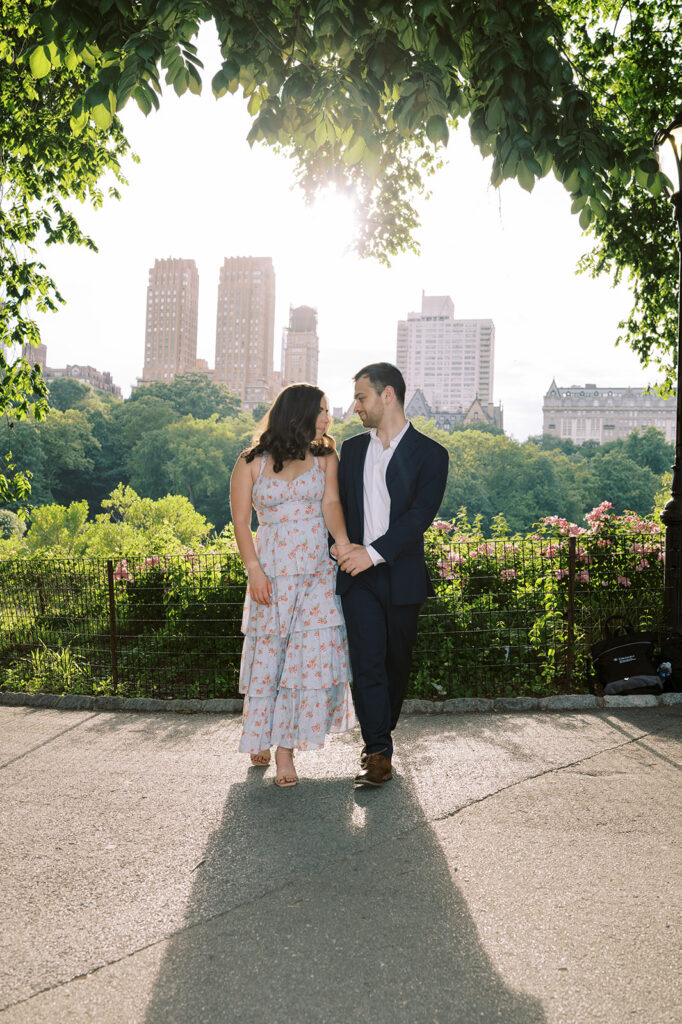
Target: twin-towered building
{"x": 245, "y": 323}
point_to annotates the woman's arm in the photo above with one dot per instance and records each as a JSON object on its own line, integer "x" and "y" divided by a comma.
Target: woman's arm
{"x": 331, "y": 502}
{"x": 241, "y": 486}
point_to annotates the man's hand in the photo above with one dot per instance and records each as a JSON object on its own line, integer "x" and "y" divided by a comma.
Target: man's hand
{"x": 354, "y": 559}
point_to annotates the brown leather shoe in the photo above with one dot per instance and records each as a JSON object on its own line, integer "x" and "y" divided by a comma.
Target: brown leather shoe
{"x": 376, "y": 770}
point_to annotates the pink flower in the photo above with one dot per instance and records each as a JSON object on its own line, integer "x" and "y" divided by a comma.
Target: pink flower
{"x": 583, "y": 576}
{"x": 121, "y": 571}
{"x": 623, "y": 580}
{"x": 561, "y": 573}
{"x": 442, "y": 524}
{"x": 508, "y": 574}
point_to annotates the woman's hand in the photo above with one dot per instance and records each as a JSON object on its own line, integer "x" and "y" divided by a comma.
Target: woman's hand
{"x": 340, "y": 547}
{"x": 260, "y": 587}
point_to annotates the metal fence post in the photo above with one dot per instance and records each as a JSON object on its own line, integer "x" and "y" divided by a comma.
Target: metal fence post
{"x": 570, "y": 611}
{"x": 112, "y": 623}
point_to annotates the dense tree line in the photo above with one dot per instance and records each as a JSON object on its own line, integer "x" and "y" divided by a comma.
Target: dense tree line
{"x": 183, "y": 438}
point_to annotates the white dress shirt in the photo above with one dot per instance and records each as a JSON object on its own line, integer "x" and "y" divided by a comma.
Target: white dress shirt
{"x": 377, "y": 501}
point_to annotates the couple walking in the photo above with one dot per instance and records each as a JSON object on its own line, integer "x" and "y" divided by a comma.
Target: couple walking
{"x": 314, "y": 622}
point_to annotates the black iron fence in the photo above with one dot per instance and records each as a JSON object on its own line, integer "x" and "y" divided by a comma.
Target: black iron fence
{"x": 509, "y": 617}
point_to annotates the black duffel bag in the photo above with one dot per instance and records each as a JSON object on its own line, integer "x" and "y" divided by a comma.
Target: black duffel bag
{"x": 671, "y": 652}
{"x": 626, "y": 660}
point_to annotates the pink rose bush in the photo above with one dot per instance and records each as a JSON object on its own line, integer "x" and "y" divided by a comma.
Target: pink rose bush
{"x": 503, "y": 601}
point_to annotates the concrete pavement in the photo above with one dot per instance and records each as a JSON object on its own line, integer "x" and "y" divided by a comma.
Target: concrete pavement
{"x": 520, "y": 868}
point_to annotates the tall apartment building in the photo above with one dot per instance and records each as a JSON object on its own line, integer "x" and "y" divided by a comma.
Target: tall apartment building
{"x": 245, "y": 326}
{"x": 300, "y": 346}
{"x": 170, "y": 345}
{"x": 584, "y": 412}
{"x": 450, "y": 361}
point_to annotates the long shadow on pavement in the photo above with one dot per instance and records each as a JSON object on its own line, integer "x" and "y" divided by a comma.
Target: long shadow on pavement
{"x": 321, "y": 904}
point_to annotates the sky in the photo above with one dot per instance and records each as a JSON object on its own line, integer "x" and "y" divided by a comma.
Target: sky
{"x": 200, "y": 192}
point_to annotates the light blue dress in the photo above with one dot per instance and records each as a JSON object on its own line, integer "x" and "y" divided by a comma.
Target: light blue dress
{"x": 295, "y": 670}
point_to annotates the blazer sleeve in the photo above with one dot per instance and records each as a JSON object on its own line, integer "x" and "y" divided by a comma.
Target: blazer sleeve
{"x": 409, "y": 528}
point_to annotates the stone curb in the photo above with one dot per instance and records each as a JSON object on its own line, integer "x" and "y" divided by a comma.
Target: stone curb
{"x": 455, "y": 706}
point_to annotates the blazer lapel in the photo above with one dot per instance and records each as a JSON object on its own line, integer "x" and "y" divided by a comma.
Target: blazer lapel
{"x": 359, "y": 474}
{"x": 398, "y": 474}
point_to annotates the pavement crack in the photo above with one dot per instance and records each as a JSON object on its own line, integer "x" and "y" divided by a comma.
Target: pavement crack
{"x": 50, "y": 739}
{"x": 539, "y": 775}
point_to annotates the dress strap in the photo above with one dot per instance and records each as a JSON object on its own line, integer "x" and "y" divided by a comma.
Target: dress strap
{"x": 262, "y": 463}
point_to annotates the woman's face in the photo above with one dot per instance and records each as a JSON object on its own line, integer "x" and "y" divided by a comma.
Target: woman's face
{"x": 323, "y": 420}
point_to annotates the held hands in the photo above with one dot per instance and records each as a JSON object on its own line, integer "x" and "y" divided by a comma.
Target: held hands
{"x": 260, "y": 587}
{"x": 352, "y": 558}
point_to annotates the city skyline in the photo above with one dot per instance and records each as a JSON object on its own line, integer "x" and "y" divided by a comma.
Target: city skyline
{"x": 501, "y": 254}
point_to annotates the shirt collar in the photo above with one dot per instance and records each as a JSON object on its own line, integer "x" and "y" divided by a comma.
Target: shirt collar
{"x": 393, "y": 443}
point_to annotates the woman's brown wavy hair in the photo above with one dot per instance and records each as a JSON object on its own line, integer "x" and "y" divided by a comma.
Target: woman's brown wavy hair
{"x": 289, "y": 427}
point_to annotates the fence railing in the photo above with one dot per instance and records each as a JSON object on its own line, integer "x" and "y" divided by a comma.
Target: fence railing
{"x": 508, "y": 618}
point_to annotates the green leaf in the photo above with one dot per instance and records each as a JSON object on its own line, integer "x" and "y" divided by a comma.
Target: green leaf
{"x": 585, "y": 218}
{"x": 355, "y": 151}
{"x": 578, "y": 203}
{"x": 494, "y": 115}
{"x": 101, "y": 115}
{"x": 39, "y": 62}
{"x": 371, "y": 162}
{"x": 437, "y": 129}
{"x": 219, "y": 84}
{"x": 525, "y": 176}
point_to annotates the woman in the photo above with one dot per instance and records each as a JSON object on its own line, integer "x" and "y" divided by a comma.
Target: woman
{"x": 295, "y": 671}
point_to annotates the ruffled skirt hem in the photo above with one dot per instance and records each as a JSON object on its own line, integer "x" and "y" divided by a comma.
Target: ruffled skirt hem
{"x": 314, "y": 660}
{"x": 298, "y": 719}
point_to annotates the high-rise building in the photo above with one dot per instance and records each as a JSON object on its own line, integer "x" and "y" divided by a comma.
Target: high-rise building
{"x": 170, "y": 345}
{"x": 300, "y": 346}
{"x": 450, "y": 361}
{"x": 245, "y": 326}
{"x": 585, "y": 412}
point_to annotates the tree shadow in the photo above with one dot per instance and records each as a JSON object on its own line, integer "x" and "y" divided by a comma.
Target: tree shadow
{"x": 321, "y": 904}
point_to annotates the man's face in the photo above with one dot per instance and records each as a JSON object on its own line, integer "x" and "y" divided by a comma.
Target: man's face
{"x": 368, "y": 404}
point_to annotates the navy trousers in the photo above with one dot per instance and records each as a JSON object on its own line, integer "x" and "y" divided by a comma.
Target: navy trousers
{"x": 381, "y": 636}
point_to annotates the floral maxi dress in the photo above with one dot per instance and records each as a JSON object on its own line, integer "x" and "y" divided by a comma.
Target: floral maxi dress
{"x": 295, "y": 669}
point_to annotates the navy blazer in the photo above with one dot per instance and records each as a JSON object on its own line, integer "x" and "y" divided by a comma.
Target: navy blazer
{"x": 415, "y": 478}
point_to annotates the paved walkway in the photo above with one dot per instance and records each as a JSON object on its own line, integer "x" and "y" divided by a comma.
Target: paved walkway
{"x": 519, "y": 869}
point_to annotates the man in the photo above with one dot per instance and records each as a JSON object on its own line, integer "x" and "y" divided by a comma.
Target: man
{"x": 391, "y": 481}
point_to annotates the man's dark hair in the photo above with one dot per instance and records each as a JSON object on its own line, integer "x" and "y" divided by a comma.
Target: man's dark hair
{"x": 381, "y": 375}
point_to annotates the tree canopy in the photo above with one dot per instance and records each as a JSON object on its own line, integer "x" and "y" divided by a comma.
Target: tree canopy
{"x": 361, "y": 94}
{"x": 44, "y": 163}
{"x": 192, "y": 394}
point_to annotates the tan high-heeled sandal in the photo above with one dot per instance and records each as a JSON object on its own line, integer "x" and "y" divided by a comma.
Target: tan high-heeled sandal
{"x": 283, "y": 778}
{"x": 261, "y": 759}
